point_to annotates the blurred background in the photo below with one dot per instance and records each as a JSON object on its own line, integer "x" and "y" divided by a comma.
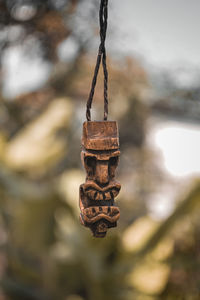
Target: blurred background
{"x": 47, "y": 56}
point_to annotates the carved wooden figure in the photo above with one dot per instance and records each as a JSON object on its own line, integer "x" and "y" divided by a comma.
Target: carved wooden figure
{"x": 100, "y": 156}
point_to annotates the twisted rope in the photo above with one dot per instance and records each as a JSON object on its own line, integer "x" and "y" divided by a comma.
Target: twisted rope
{"x": 101, "y": 58}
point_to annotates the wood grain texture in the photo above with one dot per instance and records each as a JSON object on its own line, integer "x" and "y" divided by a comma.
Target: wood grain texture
{"x": 100, "y": 157}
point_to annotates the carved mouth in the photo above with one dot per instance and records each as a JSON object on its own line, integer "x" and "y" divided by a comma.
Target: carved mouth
{"x": 95, "y": 192}
{"x": 93, "y": 214}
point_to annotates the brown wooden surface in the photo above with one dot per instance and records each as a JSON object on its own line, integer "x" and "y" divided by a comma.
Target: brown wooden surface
{"x": 100, "y": 135}
{"x": 100, "y": 157}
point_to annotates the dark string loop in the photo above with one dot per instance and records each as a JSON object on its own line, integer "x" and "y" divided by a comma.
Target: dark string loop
{"x": 103, "y": 17}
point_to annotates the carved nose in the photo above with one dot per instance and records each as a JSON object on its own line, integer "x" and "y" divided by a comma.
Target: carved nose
{"x": 102, "y": 176}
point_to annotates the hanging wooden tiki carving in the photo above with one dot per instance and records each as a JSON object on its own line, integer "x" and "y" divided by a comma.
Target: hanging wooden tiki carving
{"x": 100, "y": 156}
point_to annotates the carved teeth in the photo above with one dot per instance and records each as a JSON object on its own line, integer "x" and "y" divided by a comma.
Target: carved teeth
{"x": 100, "y": 196}
{"x": 93, "y": 214}
{"x": 107, "y": 196}
{"x": 97, "y": 197}
{"x": 91, "y": 194}
{"x": 115, "y": 193}
{"x": 107, "y": 210}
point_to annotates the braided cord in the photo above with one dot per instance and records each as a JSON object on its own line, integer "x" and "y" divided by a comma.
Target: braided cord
{"x": 101, "y": 58}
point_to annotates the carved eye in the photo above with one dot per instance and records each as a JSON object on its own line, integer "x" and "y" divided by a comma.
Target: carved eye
{"x": 90, "y": 161}
{"x": 113, "y": 161}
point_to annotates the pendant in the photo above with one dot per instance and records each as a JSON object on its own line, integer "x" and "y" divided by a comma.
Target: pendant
{"x": 100, "y": 157}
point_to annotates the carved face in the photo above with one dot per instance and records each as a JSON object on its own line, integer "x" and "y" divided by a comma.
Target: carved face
{"x": 100, "y": 157}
